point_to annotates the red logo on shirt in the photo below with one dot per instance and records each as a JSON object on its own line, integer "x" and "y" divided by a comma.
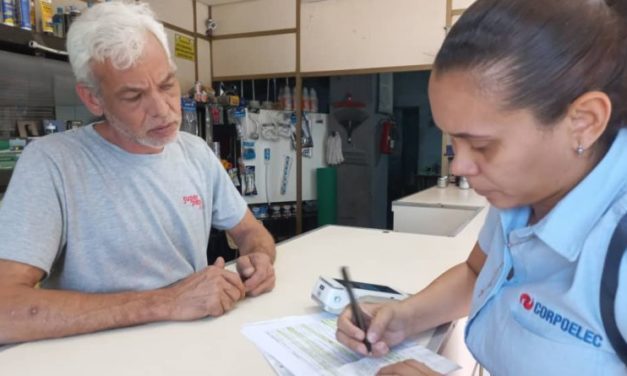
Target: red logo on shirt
{"x": 526, "y": 301}
{"x": 193, "y": 200}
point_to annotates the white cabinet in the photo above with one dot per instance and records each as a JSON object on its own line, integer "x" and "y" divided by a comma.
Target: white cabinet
{"x": 370, "y": 34}
{"x": 437, "y": 211}
{"x": 440, "y": 220}
{"x": 242, "y": 46}
{"x": 179, "y": 13}
{"x": 254, "y": 16}
{"x": 254, "y": 56}
{"x": 253, "y": 38}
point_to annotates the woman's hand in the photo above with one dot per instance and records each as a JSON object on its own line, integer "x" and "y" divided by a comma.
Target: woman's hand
{"x": 387, "y": 326}
{"x": 408, "y": 367}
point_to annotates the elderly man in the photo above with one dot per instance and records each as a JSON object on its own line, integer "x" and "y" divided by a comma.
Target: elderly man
{"x": 113, "y": 219}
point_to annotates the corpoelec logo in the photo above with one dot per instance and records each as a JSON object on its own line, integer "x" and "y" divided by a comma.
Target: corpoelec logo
{"x": 526, "y": 301}
{"x": 558, "y": 320}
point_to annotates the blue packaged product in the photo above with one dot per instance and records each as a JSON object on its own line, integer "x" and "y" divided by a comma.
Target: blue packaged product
{"x": 58, "y": 23}
{"x": 190, "y": 120}
{"x": 22, "y": 12}
{"x": 8, "y": 12}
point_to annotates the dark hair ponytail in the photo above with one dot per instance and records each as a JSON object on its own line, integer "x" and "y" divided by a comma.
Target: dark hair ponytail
{"x": 544, "y": 54}
{"x": 619, "y": 6}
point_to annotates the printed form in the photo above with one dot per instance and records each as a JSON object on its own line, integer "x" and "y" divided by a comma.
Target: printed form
{"x": 306, "y": 345}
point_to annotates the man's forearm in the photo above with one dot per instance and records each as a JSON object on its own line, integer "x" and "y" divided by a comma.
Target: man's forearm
{"x": 259, "y": 242}
{"x": 250, "y": 236}
{"x": 28, "y": 314}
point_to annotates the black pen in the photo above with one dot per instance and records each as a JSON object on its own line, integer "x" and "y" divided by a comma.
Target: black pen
{"x": 358, "y": 316}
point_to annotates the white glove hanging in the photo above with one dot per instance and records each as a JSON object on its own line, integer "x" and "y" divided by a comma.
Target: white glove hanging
{"x": 334, "y": 154}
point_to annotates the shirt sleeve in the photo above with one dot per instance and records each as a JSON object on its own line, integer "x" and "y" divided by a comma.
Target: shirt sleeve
{"x": 31, "y": 214}
{"x": 228, "y": 205}
{"x": 487, "y": 232}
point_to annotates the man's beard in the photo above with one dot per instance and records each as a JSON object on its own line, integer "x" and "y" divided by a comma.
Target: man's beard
{"x": 146, "y": 140}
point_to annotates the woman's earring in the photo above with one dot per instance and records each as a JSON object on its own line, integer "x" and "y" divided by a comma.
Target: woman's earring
{"x": 580, "y": 149}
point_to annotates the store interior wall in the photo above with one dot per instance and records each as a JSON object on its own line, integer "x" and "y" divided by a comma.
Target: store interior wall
{"x": 362, "y": 178}
{"x": 403, "y": 160}
{"x": 269, "y": 89}
{"x": 36, "y": 88}
{"x": 411, "y": 89}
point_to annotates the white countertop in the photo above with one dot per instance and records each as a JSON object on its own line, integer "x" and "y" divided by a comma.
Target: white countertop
{"x": 450, "y": 195}
{"x": 408, "y": 262}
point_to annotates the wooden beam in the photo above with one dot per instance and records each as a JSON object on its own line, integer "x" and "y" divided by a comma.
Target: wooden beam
{"x": 211, "y": 53}
{"x": 178, "y": 29}
{"x": 349, "y": 72}
{"x": 449, "y": 14}
{"x": 254, "y": 34}
{"x": 456, "y": 12}
{"x": 196, "y": 75}
{"x": 254, "y": 76}
{"x": 184, "y": 31}
{"x": 299, "y": 128}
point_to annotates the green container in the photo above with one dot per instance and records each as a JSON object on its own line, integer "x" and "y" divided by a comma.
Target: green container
{"x": 8, "y": 159}
{"x": 326, "y": 184}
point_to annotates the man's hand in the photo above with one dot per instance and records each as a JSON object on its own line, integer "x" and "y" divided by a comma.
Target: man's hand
{"x": 408, "y": 367}
{"x": 210, "y": 292}
{"x": 257, "y": 272}
{"x": 258, "y": 251}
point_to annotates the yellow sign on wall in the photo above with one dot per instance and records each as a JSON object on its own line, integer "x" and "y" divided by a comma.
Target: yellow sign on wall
{"x": 184, "y": 47}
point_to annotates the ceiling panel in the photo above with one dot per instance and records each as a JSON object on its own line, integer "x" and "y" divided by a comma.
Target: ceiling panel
{"x": 218, "y": 2}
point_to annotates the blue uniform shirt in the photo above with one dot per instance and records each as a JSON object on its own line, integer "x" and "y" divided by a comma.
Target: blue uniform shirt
{"x": 535, "y": 308}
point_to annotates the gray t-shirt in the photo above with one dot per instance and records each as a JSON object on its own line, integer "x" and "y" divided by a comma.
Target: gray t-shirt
{"x": 96, "y": 218}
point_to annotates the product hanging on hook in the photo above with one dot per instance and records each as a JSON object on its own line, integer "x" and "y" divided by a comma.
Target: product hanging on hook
{"x": 241, "y": 94}
{"x": 275, "y": 98}
{"x": 267, "y": 104}
{"x": 253, "y": 125}
{"x": 350, "y": 114}
{"x": 287, "y": 97}
{"x": 287, "y": 166}
{"x": 254, "y": 103}
{"x": 250, "y": 186}
{"x": 266, "y": 162}
{"x": 269, "y": 131}
{"x": 334, "y": 154}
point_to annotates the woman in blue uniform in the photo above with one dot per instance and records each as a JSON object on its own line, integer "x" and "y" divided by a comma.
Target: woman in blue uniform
{"x": 534, "y": 96}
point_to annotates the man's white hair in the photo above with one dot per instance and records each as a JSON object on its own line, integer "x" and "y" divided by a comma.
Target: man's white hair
{"x": 114, "y": 31}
